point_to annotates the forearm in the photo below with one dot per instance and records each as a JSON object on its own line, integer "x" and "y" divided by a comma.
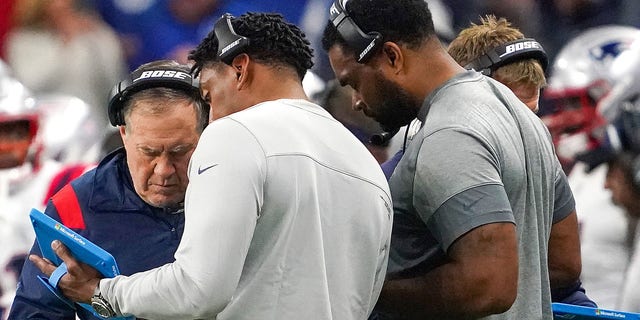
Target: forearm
{"x": 565, "y": 263}
{"x": 479, "y": 278}
{"x": 202, "y": 280}
{"x": 563, "y": 276}
{"x": 421, "y": 297}
{"x": 163, "y": 293}
{"x": 450, "y": 291}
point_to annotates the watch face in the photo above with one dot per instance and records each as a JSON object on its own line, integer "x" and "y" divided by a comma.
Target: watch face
{"x": 101, "y": 307}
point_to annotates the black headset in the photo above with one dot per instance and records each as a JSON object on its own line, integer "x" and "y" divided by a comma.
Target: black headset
{"x": 230, "y": 44}
{"x": 365, "y": 44}
{"x": 509, "y": 52}
{"x": 137, "y": 81}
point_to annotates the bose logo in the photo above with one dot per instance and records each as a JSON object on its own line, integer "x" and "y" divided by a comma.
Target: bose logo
{"x": 163, "y": 74}
{"x": 520, "y": 46}
{"x": 333, "y": 10}
{"x": 229, "y": 47}
{"x": 367, "y": 49}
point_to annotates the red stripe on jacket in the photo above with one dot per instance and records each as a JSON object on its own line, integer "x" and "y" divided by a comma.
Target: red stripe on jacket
{"x": 66, "y": 202}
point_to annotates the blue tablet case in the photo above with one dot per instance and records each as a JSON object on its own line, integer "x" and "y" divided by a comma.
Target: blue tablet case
{"x": 567, "y": 311}
{"x": 48, "y": 229}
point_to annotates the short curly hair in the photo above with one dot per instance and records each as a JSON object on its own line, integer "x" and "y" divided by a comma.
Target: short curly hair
{"x": 272, "y": 41}
{"x": 401, "y": 21}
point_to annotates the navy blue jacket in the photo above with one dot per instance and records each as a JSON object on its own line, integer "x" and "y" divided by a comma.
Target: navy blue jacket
{"x": 102, "y": 206}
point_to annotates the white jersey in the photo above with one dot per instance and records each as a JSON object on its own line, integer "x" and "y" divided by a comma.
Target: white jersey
{"x": 630, "y": 296}
{"x": 16, "y": 232}
{"x": 603, "y": 234}
{"x": 288, "y": 216}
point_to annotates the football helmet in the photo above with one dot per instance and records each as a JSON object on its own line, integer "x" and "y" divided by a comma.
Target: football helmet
{"x": 19, "y": 122}
{"x": 626, "y": 69}
{"x": 628, "y": 124}
{"x": 621, "y": 136}
{"x": 71, "y": 132}
{"x": 580, "y": 77}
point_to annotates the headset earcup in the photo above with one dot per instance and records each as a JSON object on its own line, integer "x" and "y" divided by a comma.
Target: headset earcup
{"x": 115, "y": 106}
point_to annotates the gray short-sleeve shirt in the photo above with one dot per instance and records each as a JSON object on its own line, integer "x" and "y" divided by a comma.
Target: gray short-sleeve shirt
{"x": 481, "y": 157}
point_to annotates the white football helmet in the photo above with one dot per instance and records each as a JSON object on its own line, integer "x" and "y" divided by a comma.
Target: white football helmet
{"x": 626, "y": 69}
{"x": 71, "y": 132}
{"x": 580, "y": 77}
{"x": 20, "y": 143}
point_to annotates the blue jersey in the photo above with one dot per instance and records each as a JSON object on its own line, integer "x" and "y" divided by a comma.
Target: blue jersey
{"x": 102, "y": 206}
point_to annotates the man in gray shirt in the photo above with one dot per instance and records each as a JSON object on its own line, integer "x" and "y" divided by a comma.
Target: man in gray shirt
{"x": 479, "y": 187}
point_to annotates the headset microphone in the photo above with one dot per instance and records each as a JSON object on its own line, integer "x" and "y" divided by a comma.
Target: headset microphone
{"x": 383, "y": 138}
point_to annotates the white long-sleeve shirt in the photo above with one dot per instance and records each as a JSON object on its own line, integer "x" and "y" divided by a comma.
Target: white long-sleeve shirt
{"x": 288, "y": 216}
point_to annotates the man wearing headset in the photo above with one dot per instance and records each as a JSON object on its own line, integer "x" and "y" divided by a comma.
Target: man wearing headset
{"x": 131, "y": 204}
{"x": 489, "y": 48}
{"x": 500, "y": 51}
{"x": 288, "y": 215}
{"x": 477, "y": 190}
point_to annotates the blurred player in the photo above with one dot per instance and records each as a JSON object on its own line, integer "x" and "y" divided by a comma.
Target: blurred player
{"x": 622, "y": 108}
{"x": 580, "y": 77}
{"x": 24, "y": 177}
{"x": 45, "y": 142}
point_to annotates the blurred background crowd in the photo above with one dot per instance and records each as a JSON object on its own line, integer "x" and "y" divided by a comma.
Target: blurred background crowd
{"x": 60, "y": 58}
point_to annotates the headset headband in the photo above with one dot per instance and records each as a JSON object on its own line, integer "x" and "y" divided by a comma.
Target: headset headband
{"x": 510, "y": 52}
{"x": 230, "y": 44}
{"x": 174, "y": 78}
{"x": 365, "y": 44}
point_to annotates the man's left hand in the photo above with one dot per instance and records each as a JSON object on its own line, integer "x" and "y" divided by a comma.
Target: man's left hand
{"x": 81, "y": 279}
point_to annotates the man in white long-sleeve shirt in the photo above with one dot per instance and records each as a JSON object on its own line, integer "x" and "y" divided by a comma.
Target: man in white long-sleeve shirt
{"x": 288, "y": 216}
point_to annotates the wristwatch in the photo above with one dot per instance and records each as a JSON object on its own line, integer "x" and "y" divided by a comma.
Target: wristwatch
{"x": 101, "y": 305}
